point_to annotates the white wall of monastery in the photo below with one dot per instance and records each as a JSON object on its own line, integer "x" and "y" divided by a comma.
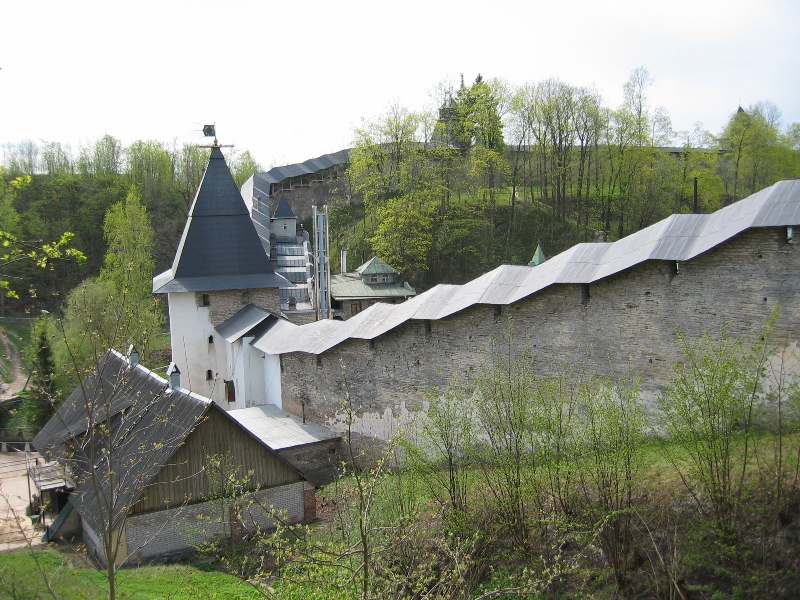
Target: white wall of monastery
{"x": 190, "y": 328}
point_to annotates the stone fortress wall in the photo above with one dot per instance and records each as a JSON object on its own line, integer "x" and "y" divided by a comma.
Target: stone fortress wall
{"x": 624, "y": 324}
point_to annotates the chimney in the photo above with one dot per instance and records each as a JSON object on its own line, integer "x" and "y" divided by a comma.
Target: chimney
{"x": 133, "y": 355}
{"x": 174, "y": 376}
{"x": 343, "y": 260}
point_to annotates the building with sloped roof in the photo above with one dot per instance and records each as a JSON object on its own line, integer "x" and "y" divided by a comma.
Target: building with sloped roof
{"x": 142, "y": 452}
{"x": 374, "y": 281}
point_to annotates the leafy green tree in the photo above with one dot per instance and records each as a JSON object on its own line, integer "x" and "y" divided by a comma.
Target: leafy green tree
{"x": 129, "y": 261}
{"x": 41, "y": 400}
{"x": 442, "y": 451}
{"x": 243, "y": 166}
{"x": 710, "y": 412}
{"x": 57, "y": 158}
{"x": 403, "y": 237}
{"x": 610, "y": 432}
{"x": 116, "y": 308}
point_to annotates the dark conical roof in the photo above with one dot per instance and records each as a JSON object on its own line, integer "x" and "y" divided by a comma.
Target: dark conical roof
{"x": 219, "y": 249}
{"x": 283, "y": 210}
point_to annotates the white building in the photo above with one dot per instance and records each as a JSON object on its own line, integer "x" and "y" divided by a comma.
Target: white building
{"x": 223, "y": 293}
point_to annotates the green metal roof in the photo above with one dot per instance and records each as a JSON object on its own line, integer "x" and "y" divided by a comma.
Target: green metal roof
{"x": 349, "y": 286}
{"x": 538, "y": 257}
{"x": 375, "y": 266}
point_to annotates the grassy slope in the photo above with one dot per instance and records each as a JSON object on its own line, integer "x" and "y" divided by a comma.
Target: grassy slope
{"x": 22, "y": 575}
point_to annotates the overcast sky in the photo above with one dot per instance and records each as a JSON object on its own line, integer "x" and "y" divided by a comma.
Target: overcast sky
{"x": 290, "y": 80}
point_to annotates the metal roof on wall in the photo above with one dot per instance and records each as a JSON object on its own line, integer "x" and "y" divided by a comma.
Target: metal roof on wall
{"x": 278, "y": 429}
{"x": 676, "y": 238}
{"x": 262, "y": 181}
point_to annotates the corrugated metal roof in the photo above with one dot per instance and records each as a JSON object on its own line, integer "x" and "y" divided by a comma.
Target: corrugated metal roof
{"x": 148, "y": 420}
{"x": 148, "y": 423}
{"x": 677, "y": 238}
{"x": 279, "y": 430}
{"x": 219, "y": 248}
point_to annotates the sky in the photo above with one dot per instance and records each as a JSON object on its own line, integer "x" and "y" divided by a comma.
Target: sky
{"x": 290, "y": 81}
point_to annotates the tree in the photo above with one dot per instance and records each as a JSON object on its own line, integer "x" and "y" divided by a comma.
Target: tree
{"x": 710, "y": 412}
{"x": 403, "y": 237}
{"x": 117, "y": 308}
{"x": 442, "y": 451}
{"x": 243, "y": 166}
{"x": 16, "y": 250}
{"x": 41, "y": 400}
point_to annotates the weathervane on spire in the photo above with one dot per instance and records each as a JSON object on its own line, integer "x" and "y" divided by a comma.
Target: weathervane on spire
{"x": 211, "y": 131}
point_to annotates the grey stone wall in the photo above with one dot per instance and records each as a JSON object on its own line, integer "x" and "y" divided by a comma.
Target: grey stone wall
{"x": 226, "y": 303}
{"x": 165, "y": 532}
{"x": 302, "y": 199}
{"x": 625, "y": 326}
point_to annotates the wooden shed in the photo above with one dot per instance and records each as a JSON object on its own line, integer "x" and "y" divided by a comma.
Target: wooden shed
{"x": 153, "y": 464}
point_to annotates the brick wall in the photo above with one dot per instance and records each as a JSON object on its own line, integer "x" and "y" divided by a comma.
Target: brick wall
{"x": 625, "y": 326}
{"x": 171, "y": 531}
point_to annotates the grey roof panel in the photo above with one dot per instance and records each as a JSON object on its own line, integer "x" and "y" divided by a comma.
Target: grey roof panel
{"x": 279, "y": 430}
{"x": 283, "y": 210}
{"x": 242, "y": 322}
{"x": 677, "y": 238}
{"x": 219, "y": 242}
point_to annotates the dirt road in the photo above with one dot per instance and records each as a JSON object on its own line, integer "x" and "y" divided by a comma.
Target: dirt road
{"x": 9, "y": 390}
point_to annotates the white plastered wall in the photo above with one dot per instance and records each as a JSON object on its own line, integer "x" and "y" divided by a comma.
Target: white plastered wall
{"x": 190, "y": 329}
{"x": 272, "y": 379}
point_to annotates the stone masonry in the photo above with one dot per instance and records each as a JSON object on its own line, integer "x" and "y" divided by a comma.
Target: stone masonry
{"x": 625, "y": 324}
{"x": 226, "y": 303}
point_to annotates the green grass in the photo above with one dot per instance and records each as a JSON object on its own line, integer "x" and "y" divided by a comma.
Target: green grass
{"x": 23, "y": 575}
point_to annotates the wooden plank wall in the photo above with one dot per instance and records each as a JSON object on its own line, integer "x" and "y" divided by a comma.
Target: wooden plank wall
{"x": 183, "y": 479}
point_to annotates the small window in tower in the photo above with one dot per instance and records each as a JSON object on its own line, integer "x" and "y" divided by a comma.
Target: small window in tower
{"x": 284, "y": 226}
{"x": 206, "y": 300}
{"x": 230, "y": 391}
{"x": 209, "y": 375}
{"x": 211, "y": 339}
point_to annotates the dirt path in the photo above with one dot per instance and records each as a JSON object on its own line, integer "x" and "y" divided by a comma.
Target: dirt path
{"x": 9, "y": 390}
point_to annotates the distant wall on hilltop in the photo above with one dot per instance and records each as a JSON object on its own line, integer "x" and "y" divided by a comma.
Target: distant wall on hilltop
{"x": 623, "y": 324}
